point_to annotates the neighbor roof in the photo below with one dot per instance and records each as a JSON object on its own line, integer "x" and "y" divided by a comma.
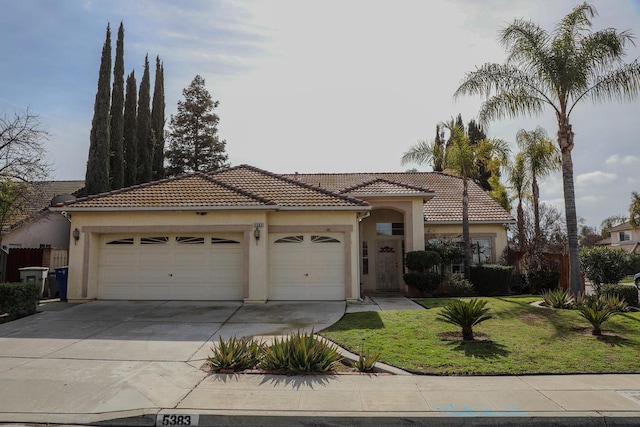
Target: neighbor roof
{"x": 39, "y": 198}
{"x": 237, "y": 187}
{"x": 444, "y": 207}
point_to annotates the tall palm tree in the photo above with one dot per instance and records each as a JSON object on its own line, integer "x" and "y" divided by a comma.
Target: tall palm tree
{"x": 462, "y": 158}
{"x": 519, "y": 181}
{"x": 557, "y": 70}
{"x": 541, "y": 158}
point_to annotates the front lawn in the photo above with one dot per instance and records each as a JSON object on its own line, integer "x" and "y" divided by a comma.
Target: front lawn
{"x": 520, "y": 339}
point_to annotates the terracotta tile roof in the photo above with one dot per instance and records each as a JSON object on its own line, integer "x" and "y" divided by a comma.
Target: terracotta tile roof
{"x": 39, "y": 198}
{"x": 241, "y": 186}
{"x": 381, "y": 186}
{"x": 445, "y": 206}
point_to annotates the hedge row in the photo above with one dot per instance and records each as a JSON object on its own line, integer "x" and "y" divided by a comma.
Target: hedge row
{"x": 18, "y": 300}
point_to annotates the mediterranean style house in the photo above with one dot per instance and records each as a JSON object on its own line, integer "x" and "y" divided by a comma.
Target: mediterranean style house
{"x": 243, "y": 233}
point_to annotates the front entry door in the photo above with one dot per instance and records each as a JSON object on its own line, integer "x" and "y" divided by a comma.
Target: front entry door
{"x": 387, "y": 265}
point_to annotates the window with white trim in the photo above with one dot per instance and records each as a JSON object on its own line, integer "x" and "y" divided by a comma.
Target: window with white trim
{"x": 625, "y": 235}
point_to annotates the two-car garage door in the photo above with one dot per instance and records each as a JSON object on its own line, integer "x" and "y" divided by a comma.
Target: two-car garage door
{"x": 164, "y": 266}
{"x": 171, "y": 267}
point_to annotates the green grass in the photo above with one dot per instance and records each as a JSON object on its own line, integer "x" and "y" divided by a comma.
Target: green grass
{"x": 520, "y": 339}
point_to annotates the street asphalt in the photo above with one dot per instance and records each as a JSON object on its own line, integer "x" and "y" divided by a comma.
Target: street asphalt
{"x": 139, "y": 363}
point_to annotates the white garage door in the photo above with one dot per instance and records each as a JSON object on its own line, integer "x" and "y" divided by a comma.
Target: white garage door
{"x": 170, "y": 267}
{"x": 306, "y": 266}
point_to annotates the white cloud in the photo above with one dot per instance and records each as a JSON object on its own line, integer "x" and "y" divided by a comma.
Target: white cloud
{"x": 595, "y": 178}
{"x": 623, "y": 160}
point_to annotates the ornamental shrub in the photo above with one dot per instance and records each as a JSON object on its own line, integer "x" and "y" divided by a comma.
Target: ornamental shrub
{"x": 491, "y": 279}
{"x": 423, "y": 282}
{"x": 465, "y": 314}
{"x": 18, "y": 300}
{"x": 629, "y": 293}
{"x": 421, "y": 261}
{"x": 603, "y": 265}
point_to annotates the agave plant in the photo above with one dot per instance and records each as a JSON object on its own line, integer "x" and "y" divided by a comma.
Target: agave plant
{"x": 366, "y": 361}
{"x": 558, "y": 298}
{"x": 236, "y": 354}
{"x": 598, "y": 309}
{"x": 465, "y": 314}
{"x": 300, "y": 353}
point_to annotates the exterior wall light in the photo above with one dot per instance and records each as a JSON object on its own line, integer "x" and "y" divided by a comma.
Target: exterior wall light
{"x": 76, "y": 235}
{"x": 256, "y": 230}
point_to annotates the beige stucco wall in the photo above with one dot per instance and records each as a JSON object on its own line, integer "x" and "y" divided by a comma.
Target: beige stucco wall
{"x": 83, "y": 254}
{"x": 51, "y": 229}
{"x": 496, "y": 232}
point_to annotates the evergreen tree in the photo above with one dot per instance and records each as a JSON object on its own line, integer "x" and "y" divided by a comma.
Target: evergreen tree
{"x": 439, "y": 150}
{"x": 145, "y": 140}
{"x": 157, "y": 122}
{"x": 97, "y": 175}
{"x": 476, "y": 134}
{"x": 117, "y": 124}
{"x": 130, "y": 142}
{"x": 193, "y": 141}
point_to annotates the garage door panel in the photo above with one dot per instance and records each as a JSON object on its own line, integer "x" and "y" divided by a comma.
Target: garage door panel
{"x": 307, "y": 267}
{"x": 169, "y": 268}
{"x": 119, "y": 257}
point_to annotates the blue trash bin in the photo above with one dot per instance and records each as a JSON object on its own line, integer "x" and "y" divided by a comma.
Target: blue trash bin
{"x": 62, "y": 273}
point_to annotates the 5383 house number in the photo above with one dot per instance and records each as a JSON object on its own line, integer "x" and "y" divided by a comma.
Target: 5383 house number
{"x": 177, "y": 420}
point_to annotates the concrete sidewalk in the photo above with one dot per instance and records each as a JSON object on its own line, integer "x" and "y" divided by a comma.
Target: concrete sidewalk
{"x": 139, "y": 364}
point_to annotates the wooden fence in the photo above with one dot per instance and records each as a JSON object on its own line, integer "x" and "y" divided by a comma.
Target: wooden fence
{"x": 33, "y": 257}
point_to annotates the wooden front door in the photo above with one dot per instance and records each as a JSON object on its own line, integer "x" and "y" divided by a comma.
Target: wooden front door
{"x": 387, "y": 265}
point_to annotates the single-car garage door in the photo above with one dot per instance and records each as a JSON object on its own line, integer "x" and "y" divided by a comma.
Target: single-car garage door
{"x": 171, "y": 266}
{"x": 307, "y": 266}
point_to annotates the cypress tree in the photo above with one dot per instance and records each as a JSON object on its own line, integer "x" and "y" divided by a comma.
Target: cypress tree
{"x": 130, "y": 143}
{"x": 145, "y": 140}
{"x": 117, "y": 125}
{"x": 97, "y": 175}
{"x": 157, "y": 122}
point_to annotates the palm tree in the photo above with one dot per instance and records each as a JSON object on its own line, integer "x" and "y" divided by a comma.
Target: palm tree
{"x": 519, "y": 180}
{"x": 542, "y": 158}
{"x": 462, "y": 158}
{"x": 556, "y": 70}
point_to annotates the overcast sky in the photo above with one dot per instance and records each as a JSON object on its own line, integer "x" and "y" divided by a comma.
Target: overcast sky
{"x": 310, "y": 86}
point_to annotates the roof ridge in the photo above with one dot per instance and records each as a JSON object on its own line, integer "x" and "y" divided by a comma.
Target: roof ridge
{"x": 240, "y": 191}
{"x": 388, "y": 181}
{"x": 303, "y": 184}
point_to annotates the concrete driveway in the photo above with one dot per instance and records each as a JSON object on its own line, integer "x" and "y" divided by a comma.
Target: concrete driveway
{"x": 106, "y": 356}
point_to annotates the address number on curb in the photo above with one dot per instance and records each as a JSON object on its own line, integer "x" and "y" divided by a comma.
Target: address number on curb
{"x": 177, "y": 420}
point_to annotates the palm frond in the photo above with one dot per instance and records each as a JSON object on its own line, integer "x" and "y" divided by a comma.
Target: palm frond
{"x": 421, "y": 153}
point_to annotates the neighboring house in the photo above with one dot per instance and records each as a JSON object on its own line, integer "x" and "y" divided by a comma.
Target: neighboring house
{"x": 243, "y": 233}
{"x": 625, "y": 237}
{"x": 38, "y": 227}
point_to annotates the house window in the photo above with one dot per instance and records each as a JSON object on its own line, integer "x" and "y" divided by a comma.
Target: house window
{"x": 125, "y": 241}
{"x": 625, "y": 236}
{"x": 161, "y": 240}
{"x": 481, "y": 247}
{"x": 390, "y": 229}
{"x": 189, "y": 240}
{"x": 365, "y": 257}
{"x": 223, "y": 241}
{"x": 290, "y": 239}
{"x": 324, "y": 239}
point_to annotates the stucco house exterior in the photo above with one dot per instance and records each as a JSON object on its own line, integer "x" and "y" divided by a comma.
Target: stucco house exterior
{"x": 38, "y": 227}
{"x": 243, "y": 233}
{"x": 624, "y": 237}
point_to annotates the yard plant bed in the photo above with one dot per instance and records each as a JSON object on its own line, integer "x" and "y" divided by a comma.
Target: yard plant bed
{"x": 520, "y": 339}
